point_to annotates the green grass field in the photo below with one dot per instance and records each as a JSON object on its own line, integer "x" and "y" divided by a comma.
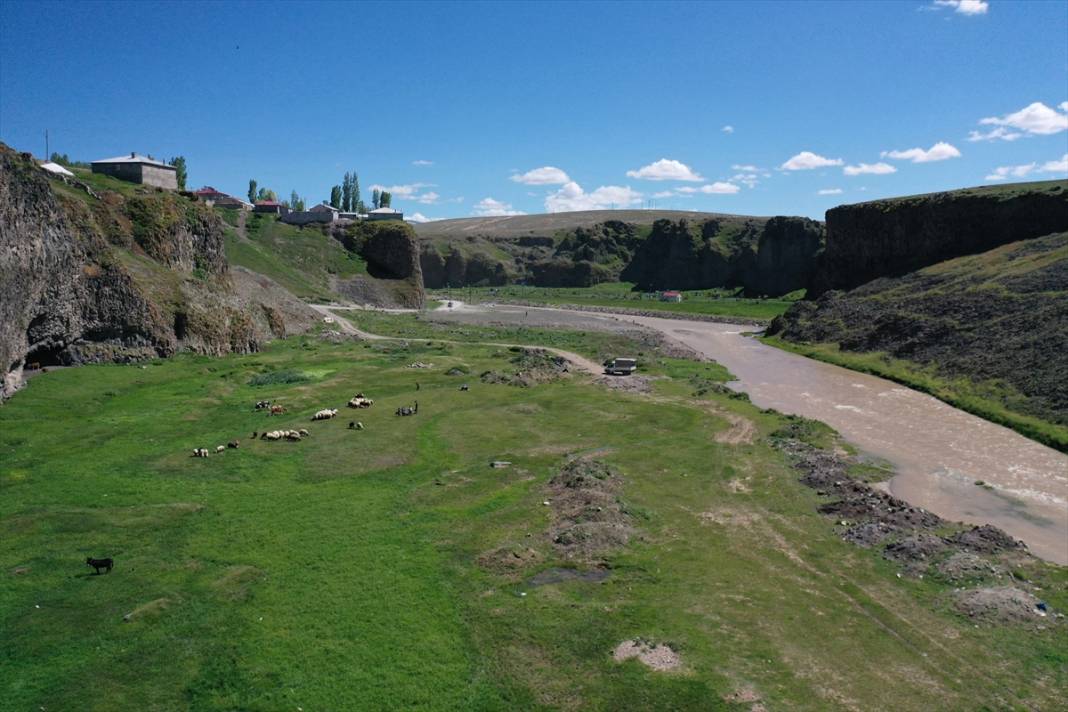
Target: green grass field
{"x": 709, "y": 302}
{"x": 300, "y": 259}
{"x": 340, "y": 573}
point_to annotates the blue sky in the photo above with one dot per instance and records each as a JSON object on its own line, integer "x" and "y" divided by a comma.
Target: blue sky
{"x": 621, "y": 105}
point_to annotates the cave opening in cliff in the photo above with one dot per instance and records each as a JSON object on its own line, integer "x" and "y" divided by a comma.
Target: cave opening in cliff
{"x": 44, "y": 356}
{"x": 181, "y": 324}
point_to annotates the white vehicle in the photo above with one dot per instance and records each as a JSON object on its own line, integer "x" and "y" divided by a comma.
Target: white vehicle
{"x": 620, "y": 366}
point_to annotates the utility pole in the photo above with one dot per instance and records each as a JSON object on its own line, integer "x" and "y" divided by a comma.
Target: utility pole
{"x": 47, "y": 154}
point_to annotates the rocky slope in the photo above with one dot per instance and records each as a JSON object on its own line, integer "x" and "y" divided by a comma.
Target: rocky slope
{"x": 89, "y": 276}
{"x": 394, "y": 276}
{"x": 887, "y": 238}
{"x": 684, "y": 251}
{"x": 998, "y": 319}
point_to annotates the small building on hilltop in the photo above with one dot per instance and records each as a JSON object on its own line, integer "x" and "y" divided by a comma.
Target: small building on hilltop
{"x": 385, "y": 214}
{"x": 59, "y": 170}
{"x": 270, "y": 206}
{"x": 326, "y": 210}
{"x": 211, "y": 196}
{"x": 139, "y": 169}
{"x": 671, "y": 296}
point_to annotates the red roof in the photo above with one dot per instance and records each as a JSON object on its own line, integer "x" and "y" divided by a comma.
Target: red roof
{"x": 208, "y": 190}
{"x": 672, "y": 294}
{"x": 268, "y": 203}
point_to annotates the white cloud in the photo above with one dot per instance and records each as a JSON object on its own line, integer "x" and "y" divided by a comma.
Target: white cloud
{"x": 665, "y": 169}
{"x": 428, "y": 198}
{"x": 938, "y": 152}
{"x": 421, "y": 162}
{"x": 993, "y": 134}
{"x": 1035, "y": 119}
{"x": 489, "y": 208}
{"x": 571, "y": 197}
{"x": 965, "y": 7}
{"x": 807, "y": 160}
{"x": 402, "y": 192}
{"x": 877, "y": 169}
{"x": 546, "y": 175}
{"x": 1055, "y": 166}
{"x": 662, "y": 194}
{"x": 719, "y": 188}
{"x": 745, "y": 168}
{"x": 747, "y": 179}
{"x": 829, "y": 191}
{"x": 728, "y": 129}
{"x": 420, "y": 218}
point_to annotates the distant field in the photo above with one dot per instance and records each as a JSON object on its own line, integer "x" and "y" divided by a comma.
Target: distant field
{"x": 712, "y": 302}
{"x": 359, "y": 569}
{"x": 546, "y": 224}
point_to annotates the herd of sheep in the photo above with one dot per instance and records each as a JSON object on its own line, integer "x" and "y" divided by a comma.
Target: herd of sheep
{"x": 357, "y": 401}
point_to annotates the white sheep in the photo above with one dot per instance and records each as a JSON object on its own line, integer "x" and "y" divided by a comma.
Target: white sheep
{"x": 220, "y": 448}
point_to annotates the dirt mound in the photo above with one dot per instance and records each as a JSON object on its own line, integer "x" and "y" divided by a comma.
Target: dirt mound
{"x": 1001, "y": 603}
{"x": 985, "y": 539}
{"x": 588, "y": 518}
{"x": 868, "y": 534}
{"x": 915, "y": 551}
{"x": 508, "y": 558}
{"x": 657, "y": 657}
{"x": 627, "y": 384}
{"x": 964, "y": 566}
{"x": 532, "y": 366}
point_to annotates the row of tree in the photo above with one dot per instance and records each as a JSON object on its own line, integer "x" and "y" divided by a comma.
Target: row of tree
{"x": 344, "y": 197}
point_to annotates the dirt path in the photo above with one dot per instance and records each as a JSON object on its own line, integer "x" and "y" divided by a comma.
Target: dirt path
{"x": 242, "y": 233}
{"x": 346, "y": 326}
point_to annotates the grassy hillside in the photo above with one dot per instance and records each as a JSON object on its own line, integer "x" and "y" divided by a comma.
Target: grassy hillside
{"x": 303, "y": 260}
{"x": 985, "y": 333}
{"x": 514, "y": 226}
{"x": 364, "y": 569}
{"x": 621, "y": 295}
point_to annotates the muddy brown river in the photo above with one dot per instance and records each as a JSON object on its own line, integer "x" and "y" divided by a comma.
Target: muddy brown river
{"x": 938, "y": 452}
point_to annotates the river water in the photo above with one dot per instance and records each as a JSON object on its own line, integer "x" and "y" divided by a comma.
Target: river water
{"x": 938, "y": 451}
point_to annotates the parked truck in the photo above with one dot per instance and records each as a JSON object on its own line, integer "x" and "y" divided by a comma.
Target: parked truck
{"x": 620, "y": 366}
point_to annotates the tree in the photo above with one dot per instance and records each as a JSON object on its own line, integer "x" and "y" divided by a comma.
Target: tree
{"x": 179, "y": 163}
{"x": 336, "y": 200}
{"x": 375, "y": 197}
{"x": 266, "y": 194}
{"x": 296, "y": 202}
{"x": 385, "y": 199}
{"x": 361, "y": 208}
{"x": 252, "y": 190}
{"x": 355, "y": 192}
{"x": 346, "y": 193}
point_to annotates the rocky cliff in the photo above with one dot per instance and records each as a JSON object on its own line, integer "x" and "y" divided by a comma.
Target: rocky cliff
{"x": 763, "y": 256}
{"x": 394, "y": 274}
{"x": 887, "y": 238}
{"x": 998, "y": 319}
{"x": 90, "y": 276}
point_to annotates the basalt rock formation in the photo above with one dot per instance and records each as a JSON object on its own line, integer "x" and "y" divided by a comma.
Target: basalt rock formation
{"x": 87, "y": 277}
{"x": 395, "y": 277}
{"x": 889, "y": 238}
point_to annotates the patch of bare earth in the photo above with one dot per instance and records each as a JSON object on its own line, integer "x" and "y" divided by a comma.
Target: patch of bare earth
{"x": 626, "y": 384}
{"x": 588, "y": 517}
{"x": 742, "y": 431}
{"x": 508, "y": 558}
{"x": 747, "y": 695}
{"x": 655, "y": 656}
{"x": 999, "y": 603}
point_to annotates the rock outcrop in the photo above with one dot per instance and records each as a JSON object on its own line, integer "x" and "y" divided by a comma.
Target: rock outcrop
{"x": 763, "y": 256}
{"x": 889, "y": 238}
{"x": 394, "y": 274}
{"x": 89, "y": 277}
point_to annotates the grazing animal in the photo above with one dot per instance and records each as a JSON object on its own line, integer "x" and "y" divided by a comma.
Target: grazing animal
{"x": 408, "y": 409}
{"x": 233, "y": 444}
{"x": 35, "y": 366}
{"x": 200, "y": 452}
{"x": 360, "y": 401}
{"x": 417, "y": 385}
{"x": 277, "y": 410}
{"x": 263, "y": 405}
{"x": 98, "y": 564}
{"x": 465, "y": 387}
{"x": 303, "y": 433}
{"x": 292, "y": 435}
{"x": 220, "y": 448}
{"x": 254, "y": 434}
{"x": 325, "y": 414}
{"x": 355, "y": 425}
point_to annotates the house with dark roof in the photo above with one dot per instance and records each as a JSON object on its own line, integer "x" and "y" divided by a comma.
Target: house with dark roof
{"x": 385, "y": 214}
{"x": 139, "y": 169}
{"x": 211, "y": 196}
{"x": 270, "y": 206}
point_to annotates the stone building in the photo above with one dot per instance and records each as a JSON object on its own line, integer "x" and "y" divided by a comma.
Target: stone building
{"x": 139, "y": 169}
